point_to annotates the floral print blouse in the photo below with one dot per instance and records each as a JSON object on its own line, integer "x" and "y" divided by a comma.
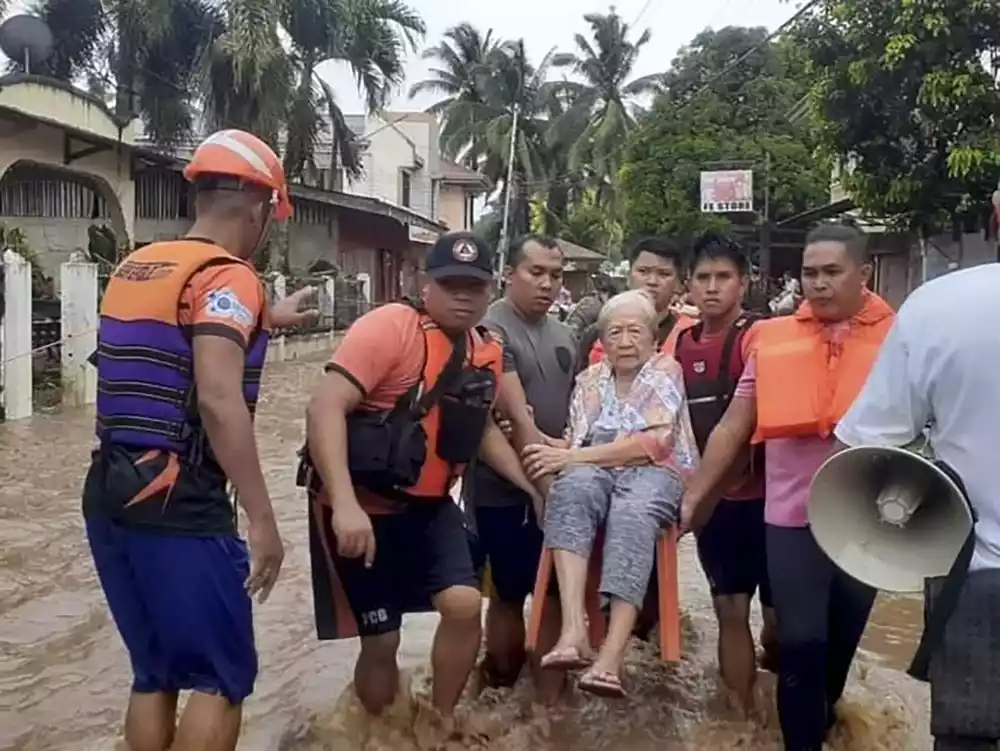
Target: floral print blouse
{"x": 654, "y": 411}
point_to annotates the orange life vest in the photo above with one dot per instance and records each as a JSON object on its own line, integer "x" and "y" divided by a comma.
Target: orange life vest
{"x": 482, "y": 352}
{"x": 806, "y": 381}
{"x": 144, "y": 356}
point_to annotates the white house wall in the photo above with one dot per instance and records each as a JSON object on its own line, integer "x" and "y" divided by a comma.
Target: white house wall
{"x": 388, "y": 152}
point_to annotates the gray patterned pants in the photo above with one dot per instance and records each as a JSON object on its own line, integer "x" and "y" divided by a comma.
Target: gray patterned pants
{"x": 632, "y": 504}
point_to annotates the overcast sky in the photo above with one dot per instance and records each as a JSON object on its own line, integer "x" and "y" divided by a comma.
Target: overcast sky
{"x": 544, "y": 24}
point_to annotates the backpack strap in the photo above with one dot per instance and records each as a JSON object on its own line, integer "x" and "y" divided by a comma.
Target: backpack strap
{"x": 736, "y": 332}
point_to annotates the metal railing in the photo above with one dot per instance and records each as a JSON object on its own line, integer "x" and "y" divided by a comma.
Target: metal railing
{"x": 336, "y": 314}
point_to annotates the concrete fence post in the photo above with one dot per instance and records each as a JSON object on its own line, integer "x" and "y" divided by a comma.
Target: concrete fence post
{"x": 328, "y": 308}
{"x": 78, "y": 320}
{"x": 366, "y": 289}
{"x": 15, "y": 348}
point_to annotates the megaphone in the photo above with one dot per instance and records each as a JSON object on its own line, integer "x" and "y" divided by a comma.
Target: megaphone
{"x": 889, "y": 517}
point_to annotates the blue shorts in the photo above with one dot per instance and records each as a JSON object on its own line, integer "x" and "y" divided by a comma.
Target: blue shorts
{"x": 511, "y": 542}
{"x": 180, "y": 606}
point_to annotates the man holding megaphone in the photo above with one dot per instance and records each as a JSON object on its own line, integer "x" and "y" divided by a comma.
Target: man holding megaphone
{"x": 802, "y": 375}
{"x": 938, "y": 368}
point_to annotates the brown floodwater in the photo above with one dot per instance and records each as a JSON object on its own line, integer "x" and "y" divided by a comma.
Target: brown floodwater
{"x": 64, "y": 674}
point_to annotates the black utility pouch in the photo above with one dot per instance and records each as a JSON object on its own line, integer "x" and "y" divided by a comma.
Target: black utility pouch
{"x": 464, "y": 410}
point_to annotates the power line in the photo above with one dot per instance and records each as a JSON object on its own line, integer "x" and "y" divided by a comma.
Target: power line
{"x": 642, "y": 12}
{"x": 746, "y": 55}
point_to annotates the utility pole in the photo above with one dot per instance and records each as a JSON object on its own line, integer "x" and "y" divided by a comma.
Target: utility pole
{"x": 765, "y": 227}
{"x": 509, "y": 187}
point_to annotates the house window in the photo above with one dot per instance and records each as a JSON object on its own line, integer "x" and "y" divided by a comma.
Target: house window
{"x": 404, "y": 189}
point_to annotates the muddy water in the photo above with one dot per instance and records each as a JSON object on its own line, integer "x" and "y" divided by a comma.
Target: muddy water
{"x": 64, "y": 675}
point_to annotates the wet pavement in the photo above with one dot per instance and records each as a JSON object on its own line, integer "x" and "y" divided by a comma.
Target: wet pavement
{"x": 64, "y": 675}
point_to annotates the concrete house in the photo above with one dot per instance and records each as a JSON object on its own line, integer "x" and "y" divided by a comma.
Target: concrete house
{"x": 403, "y": 165}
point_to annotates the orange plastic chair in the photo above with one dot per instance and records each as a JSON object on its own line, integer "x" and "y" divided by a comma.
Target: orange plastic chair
{"x": 666, "y": 581}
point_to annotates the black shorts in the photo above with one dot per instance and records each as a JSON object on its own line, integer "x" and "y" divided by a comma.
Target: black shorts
{"x": 733, "y": 550}
{"x": 419, "y": 552}
{"x": 510, "y": 541}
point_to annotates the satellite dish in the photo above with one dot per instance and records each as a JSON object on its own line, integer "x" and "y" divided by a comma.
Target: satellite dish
{"x": 27, "y": 40}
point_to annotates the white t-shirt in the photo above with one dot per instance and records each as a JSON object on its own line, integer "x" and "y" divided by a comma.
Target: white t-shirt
{"x": 940, "y": 364}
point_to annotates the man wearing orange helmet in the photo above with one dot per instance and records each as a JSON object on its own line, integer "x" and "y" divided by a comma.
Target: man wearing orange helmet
{"x": 183, "y": 336}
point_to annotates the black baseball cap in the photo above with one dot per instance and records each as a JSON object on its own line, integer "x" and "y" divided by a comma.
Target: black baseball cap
{"x": 459, "y": 255}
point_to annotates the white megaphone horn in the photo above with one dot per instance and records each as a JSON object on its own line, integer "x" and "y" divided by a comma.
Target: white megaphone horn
{"x": 889, "y": 517}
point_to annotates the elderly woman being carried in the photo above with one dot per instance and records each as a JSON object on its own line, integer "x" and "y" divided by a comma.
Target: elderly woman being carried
{"x": 629, "y": 447}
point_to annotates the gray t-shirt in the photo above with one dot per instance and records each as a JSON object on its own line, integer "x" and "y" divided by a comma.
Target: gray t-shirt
{"x": 544, "y": 356}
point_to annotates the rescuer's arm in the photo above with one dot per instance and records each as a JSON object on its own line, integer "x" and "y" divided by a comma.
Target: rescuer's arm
{"x": 497, "y": 452}
{"x": 333, "y": 399}
{"x": 727, "y": 441}
{"x": 370, "y": 350}
{"x": 218, "y": 373}
{"x": 222, "y": 306}
{"x": 512, "y": 403}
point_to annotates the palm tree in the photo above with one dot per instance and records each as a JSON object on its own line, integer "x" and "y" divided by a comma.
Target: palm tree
{"x": 462, "y": 62}
{"x": 172, "y": 62}
{"x": 604, "y": 98}
{"x": 511, "y": 87}
{"x": 256, "y": 84}
{"x": 145, "y": 51}
{"x": 372, "y": 36}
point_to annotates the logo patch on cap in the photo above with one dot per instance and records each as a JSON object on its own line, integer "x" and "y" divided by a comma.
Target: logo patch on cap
{"x": 465, "y": 251}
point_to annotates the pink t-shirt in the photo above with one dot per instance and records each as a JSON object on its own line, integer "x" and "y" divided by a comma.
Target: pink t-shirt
{"x": 790, "y": 464}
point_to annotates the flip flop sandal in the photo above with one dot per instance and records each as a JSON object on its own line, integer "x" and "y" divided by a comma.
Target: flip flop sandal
{"x": 605, "y": 685}
{"x": 566, "y": 659}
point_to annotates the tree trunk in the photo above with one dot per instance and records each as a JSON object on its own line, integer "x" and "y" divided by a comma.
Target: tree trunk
{"x": 125, "y": 64}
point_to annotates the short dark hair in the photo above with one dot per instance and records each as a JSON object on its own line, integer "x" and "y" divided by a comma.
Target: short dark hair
{"x": 715, "y": 246}
{"x": 664, "y": 247}
{"x": 851, "y": 237}
{"x": 515, "y": 254}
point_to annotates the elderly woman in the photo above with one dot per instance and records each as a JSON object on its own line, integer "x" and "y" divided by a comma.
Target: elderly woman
{"x": 621, "y": 467}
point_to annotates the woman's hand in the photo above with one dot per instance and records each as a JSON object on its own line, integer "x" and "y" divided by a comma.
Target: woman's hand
{"x": 540, "y": 460}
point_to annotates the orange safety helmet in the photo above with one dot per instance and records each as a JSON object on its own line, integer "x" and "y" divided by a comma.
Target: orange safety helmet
{"x": 244, "y": 157}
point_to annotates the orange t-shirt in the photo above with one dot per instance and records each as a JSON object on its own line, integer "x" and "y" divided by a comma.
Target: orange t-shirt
{"x": 223, "y": 300}
{"x": 382, "y": 354}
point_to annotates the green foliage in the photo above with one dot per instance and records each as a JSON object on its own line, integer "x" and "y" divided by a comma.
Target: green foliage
{"x": 570, "y": 131}
{"x": 14, "y": 239}
{"x": 247, "y": 64}
{"x": 706, "y": 120}
{"x": 906, "y": 97}
{"x": 588, "y": 223}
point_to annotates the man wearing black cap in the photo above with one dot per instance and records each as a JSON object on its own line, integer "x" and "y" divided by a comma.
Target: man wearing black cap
{"x": 402, "y": 372}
